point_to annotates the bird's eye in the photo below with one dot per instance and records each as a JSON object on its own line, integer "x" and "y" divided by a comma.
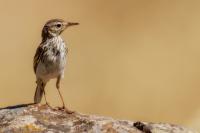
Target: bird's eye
{"x": 58, "y": 25}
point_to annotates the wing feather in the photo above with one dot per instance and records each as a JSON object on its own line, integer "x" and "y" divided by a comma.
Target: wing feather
{"x": 38, "y": 56}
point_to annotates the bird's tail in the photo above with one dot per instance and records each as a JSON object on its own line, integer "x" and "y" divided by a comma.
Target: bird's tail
{"x": 39, "y": 92}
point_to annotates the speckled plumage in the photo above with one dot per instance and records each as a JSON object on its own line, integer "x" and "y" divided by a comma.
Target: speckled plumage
{"x": 50, "y": 57}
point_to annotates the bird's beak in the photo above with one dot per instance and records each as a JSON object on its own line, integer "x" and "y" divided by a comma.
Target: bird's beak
{"x": 71, "y": 24}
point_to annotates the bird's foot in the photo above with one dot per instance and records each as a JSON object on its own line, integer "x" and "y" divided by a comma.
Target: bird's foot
{"x": 65, "y": 110}
{"x": 48, "y": 105}
{"x": 36, "y": 105}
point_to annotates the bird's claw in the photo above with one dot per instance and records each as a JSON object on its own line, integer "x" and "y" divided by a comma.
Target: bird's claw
{"x": 63, "y": 108}
{"x": 48, "y": 105}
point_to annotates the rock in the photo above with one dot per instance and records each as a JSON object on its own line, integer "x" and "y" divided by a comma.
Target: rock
{"x": 43, "y": 119}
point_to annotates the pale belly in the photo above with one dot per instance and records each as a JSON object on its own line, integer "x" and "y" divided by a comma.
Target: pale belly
{"x": 51, "y": 68}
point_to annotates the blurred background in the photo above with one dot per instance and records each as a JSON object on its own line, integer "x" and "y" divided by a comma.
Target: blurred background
{"x": 128, "y": 59}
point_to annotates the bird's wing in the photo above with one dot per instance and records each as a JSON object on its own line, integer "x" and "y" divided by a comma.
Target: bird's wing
{"x": 38, "y": 56}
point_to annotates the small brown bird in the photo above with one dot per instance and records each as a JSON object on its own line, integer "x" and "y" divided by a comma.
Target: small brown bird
{"x": 50, "y": 58}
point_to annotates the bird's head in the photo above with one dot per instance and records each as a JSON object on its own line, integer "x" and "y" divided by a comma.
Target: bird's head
{"x": 55, "y": 27}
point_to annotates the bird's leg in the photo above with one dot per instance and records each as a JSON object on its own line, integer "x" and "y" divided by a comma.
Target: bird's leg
{"x": 58, "y": 88}
{"x": 45, "y": 98}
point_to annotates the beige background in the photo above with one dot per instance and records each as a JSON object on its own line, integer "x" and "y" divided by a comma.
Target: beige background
{"x": 129, "y": 59}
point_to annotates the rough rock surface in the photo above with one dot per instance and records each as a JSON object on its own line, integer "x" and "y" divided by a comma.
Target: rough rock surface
{"x": 42, "y": 119}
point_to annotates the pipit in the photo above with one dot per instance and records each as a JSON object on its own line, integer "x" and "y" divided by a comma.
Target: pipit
{"x": 50, "y": 58}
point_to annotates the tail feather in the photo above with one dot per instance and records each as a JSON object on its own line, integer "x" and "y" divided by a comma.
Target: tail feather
{"x": 39, "y": 93}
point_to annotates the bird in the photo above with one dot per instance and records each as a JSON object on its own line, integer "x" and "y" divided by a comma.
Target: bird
{"x": 50, "y": 58}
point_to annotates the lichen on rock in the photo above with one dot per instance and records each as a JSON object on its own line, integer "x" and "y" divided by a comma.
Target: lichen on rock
{"x": 43, "y": 119}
